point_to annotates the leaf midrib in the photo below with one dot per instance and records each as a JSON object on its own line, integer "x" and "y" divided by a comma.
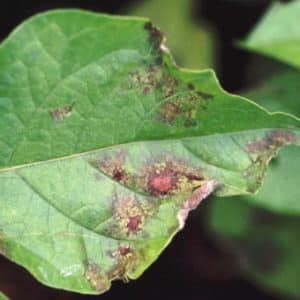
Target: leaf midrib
{"x": 5, "y": 169}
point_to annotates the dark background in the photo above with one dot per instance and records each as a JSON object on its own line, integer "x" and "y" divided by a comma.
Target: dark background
{"x": 192, "y": 267}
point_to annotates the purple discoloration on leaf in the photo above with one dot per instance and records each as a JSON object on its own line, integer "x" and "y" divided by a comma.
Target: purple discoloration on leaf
{"x": 113, "y": 166}
{"x": 281, "y": 137}
{"x": 273, "y": 140}
{"x": 191, "y": 203}
{"x": 162, "y": 182}
{"x": 258, "y": 146}
{"x": 170, "y": 177}
{"x": 134, "y": 223}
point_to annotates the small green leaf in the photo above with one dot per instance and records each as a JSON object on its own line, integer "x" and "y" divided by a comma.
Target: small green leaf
{"x": 106, "y": 145}
{"x": 3, "y": 297}
{"x": 277, "y": 35}
{"x": 279, "y": 92}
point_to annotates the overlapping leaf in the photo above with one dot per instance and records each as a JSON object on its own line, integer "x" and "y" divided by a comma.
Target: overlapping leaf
{"x": 277, "y": 35}
{"x": 106, "y": 146}
{"x": 266, "y": 240}
{"x": 263, "y": 229}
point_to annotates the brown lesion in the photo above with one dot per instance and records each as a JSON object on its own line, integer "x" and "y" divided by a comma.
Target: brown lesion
{"x": 126, "y": 259}
{"x": 261, "y": 151}
{"x": 113, "y": 166}
{"x": 155, "y": 35}
{"x": 182, "y": 103}
{"x": 60, "y": 113}
{"x": 169, "y": 111}
{"x": 175, "y": 108}
{"x": 147, "y": 80}
{"x": 98, "y": 279}
{"x": 130, "y": 216}
{"x": 273, "y": 140}
{"x": 169, "y": 85}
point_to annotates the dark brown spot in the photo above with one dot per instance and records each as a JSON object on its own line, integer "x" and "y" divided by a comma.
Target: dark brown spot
{"x": 146, "y": 90}
{"x": 61, "y": 113}
{"x": 204, "y": 96}
{"x": 156, "y": 35}
{"x": 113, "y": 166}
{"x": 119, "y": 175}
{"x": 191, "y": 86}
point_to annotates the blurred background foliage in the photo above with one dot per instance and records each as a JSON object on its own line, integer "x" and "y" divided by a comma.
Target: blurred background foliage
{"x": 240, "y": 247}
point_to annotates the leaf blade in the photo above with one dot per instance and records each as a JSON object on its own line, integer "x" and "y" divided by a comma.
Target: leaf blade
{"x": 107, "y": 145}
{"x": 279, "y": 42}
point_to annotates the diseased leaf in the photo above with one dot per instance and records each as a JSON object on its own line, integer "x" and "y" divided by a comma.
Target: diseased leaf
{"x": 106, "y": 145}
{"x": 280, "y": 190}
{"x": 277, "y": 34}
{"x": 265, "y": 244}
{"x": 265, "y": 241}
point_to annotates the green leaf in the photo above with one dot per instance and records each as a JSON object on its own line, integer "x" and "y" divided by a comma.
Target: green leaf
{"x": 265, "y": 244}
{"x": 3, "y": 297}
{"x": 280, "y": 189}
{"x": 277, "y": 34}
{"x": 279, "y": 92}
{"x": 176, "y": 21}
{"x": 106, "y": 145}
